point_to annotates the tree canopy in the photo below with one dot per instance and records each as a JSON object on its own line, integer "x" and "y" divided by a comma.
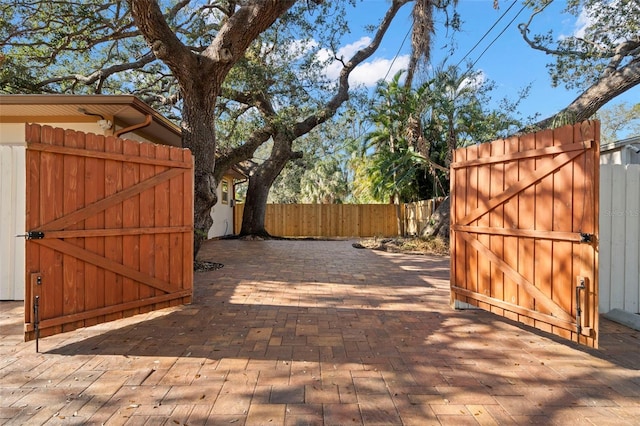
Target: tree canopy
{"x": 602, "y": 59}
{"x": 236, "y": 74}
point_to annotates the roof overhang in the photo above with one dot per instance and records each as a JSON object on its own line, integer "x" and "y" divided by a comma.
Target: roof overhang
{"x": 125, "y": 110}
{"x": 634, "y": 140}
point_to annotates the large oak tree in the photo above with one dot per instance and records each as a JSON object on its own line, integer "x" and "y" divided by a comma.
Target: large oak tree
{"x": 602, "y": 58}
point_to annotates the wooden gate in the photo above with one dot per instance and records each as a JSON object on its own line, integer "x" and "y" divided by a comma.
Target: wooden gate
{"x": 110, "y": 229}
{"x": 524, "y": 221}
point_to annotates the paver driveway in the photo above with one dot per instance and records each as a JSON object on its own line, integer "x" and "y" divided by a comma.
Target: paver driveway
{"x": 308, "y": 332}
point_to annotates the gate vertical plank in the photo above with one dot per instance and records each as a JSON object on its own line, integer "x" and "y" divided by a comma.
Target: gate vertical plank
{"x": 510, "y": 244}
{"x": 563, "y": 283}
{"x": 113, "y": 220}
{"x": 161, "y": 214}
{"x": 484, "y": 265}
{"x": 593, "y": 163}
{"x": 471, "y": 203}
{"x": 543, "y": 221}
{"x": 187, "y": 254}
{"x": 176, "y": 218}
{"x": 147, "y": 220}
{"x": 32, "y": 250}
{"x": 73, "y": 199}
{"x": 94, "y": 191}
{"x": 51, "y": 168}
{"x": 131, "y": 219}
{"x": 458, "y": 209}
{"x": 496, "y": 219}
{"x": 526, "y": 207}
{"x": 586, "y": 261}
{"x": 80, "y": 140}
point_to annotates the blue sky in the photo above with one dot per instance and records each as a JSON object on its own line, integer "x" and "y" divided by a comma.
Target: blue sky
{"x": 509, "y": 61}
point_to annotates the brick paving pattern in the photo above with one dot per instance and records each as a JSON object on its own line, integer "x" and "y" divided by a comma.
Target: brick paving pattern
{"x": 311, "y": 333}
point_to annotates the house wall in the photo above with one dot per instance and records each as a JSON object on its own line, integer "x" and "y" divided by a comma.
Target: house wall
{"x": 12, "y": 213}
{"x": 620, "y": 152}
{"x": 611, "y": 157}
{"x": 619, "y": 240}
{"x": 222, "y": 212}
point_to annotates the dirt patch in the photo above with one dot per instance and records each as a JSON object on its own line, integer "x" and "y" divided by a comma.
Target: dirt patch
{"x": 199, "y": 266}
{"x": 407, "y": 245}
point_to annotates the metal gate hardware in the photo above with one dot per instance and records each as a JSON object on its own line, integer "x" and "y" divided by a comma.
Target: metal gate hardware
{"x": 586, "y": 238}
{"x": 32, "y": 235}
{"x": 36, "y": 321}
{"x": 579, "y": 287}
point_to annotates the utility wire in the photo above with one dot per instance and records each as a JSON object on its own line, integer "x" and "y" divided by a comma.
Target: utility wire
{"x": 397, "y": 53}
{"x": 499, "y": 35}
{"x": 486, "y": 33}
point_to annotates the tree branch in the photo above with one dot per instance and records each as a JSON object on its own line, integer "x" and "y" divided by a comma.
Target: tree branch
{"x": 342, "y": 93}
{"x": 163, "y": 42}
{"x": 100, "y": 74}
{"x": 596, "y": 96}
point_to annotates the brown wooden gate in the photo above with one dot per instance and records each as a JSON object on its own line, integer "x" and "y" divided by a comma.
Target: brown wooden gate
{"x": 110, "y": 229}
{"x": 524, "y": 221}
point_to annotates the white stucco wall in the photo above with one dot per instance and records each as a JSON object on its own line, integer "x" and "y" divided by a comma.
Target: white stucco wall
{"x": 222, "y": 214}
{"x": 621, "y": 152}
{"x": 12, "y": 211}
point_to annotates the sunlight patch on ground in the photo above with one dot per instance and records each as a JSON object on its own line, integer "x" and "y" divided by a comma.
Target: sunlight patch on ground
{"x": 392, "y": 297}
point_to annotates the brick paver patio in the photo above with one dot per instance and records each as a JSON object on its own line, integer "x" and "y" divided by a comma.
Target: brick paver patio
{"x": 316, "y": 332}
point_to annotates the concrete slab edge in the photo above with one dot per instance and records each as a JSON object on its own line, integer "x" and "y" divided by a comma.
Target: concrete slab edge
{"x": 624, "y": 318}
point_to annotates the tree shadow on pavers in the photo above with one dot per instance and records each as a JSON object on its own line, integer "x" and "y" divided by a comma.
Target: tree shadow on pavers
{"x": 344, "y": 329}
{"x": 418, "y": 360}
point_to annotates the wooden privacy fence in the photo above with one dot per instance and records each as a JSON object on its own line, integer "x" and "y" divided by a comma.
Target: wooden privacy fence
{"x": 524, "y": 220}
{"x": 620, "y": 238}
{"x": 110, "y": 226}
{"x": 327, "y": 220}
{"x": 418, "y": 214}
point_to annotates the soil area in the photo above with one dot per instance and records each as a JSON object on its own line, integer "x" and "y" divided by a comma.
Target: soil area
{"x": 408, "y": 245}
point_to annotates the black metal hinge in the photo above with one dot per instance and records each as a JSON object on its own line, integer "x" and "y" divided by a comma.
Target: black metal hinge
{"x": 586, "y": 238}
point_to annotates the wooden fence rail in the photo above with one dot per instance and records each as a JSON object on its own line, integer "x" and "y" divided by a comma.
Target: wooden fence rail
{"x": 341, "y": 220}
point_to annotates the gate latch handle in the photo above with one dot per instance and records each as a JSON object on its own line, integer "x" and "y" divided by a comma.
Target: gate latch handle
{"x": 32, "y": 235}
{"x": 579, "y": 287}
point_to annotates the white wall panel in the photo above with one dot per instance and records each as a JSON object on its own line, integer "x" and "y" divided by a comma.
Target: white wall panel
{"x": 12, "y": 220}
{"x": 619, "y": 238}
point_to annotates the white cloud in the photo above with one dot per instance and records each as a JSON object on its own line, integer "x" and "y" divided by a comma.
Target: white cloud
{"x": 368, "y": 73}
{"x": 585, "y": 19}
{"x": 474, "y": 82}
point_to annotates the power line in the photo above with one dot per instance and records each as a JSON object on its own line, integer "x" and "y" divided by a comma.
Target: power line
{"x": 487, "y": 33}
{"x": 499, "y": 35}
{"x": 397, "y": 53}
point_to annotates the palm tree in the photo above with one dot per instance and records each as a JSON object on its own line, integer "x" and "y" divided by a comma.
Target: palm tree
{"x": 421, "y": 31}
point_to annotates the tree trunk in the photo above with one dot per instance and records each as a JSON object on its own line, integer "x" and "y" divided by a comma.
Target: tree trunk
{"x": 255, "y": 207}
{"x": 399, "y": 218}
{"x": 260, "y": 183}
{"x": 440, "y": 223}
{"x": 200, "y": 76}
{"x": 198, "y": 134}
